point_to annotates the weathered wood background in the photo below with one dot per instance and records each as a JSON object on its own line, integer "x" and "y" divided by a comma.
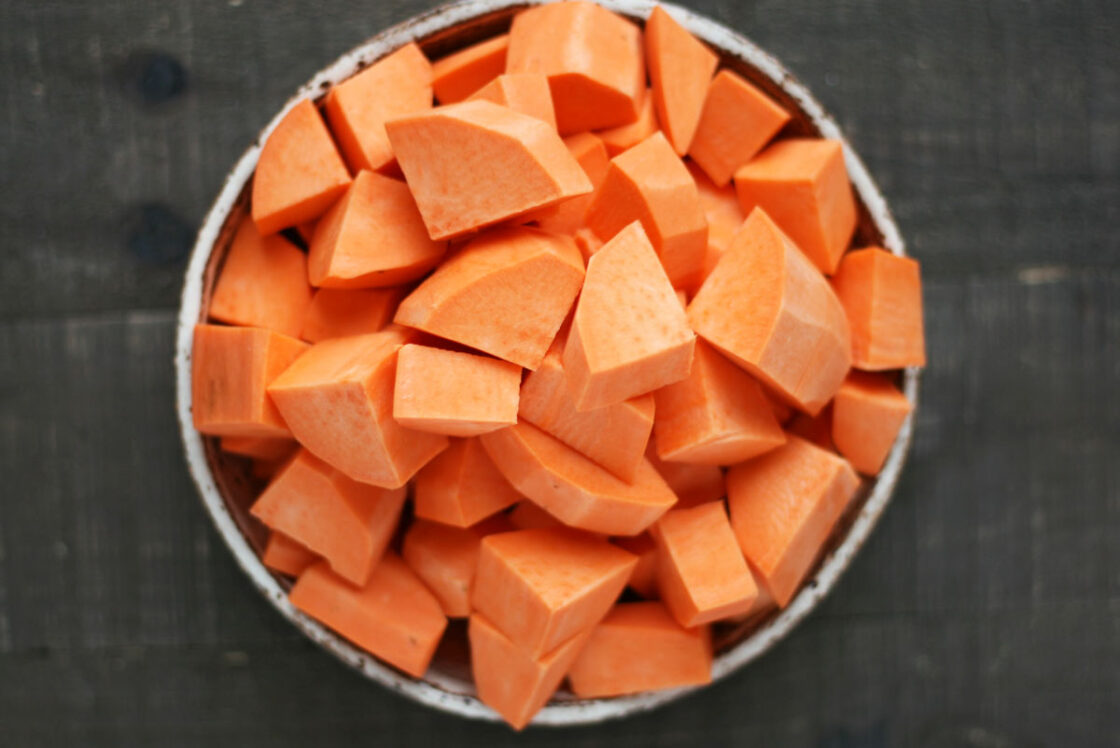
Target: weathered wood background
{"x": 985, "y": 610}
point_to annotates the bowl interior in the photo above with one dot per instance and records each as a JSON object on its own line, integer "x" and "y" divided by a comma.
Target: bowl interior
{"x": 228, "y": 487}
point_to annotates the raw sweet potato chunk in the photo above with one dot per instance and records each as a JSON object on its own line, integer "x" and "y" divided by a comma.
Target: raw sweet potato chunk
{"x": 338, "y": 313}
{"x": 461, "y": 73}
{"x": 454, "y": 393}
{"x": 639, "y": 647}
{"x": 568, "y": 216}
{"x": 783, "y": 508}
{"x": 299, "y": 172}
{"x": 882, "y": 294}
{"x": 693, "y": 484}
{"x": 372, "y": 237}
{"x": 592, "y": 57}
{"x": 445, "y": 559}
{"x": 287, "y": 556}
{"x": 614, "y": 436}
{"x": 522, "y": 92}
{"x": 542, "y": 587}
{"x": 623, "y": 137}
{"x": 701, "y": 573}
{"x": 393, "y": 615}
{"x": 629, "y": 335}
{"x": 680, "y": 67}
{"x": 802, "y": 184}
{"x": 259, "y": 447}
{"x": 643, "y": 579}
{"x": 338, "y": 401}
{"x": 724, "y": 215}
{"x": 461, "y": 486}
{"x": 346, "y": 522}
{"x": 717, "y": 416}
{"x": 476, "y": 163}
{"x": 574, "y": 489}
{"x": 512, "y": 682}
{"x": 231, "y": 367}
{"x": 768, "y": 309}
{"x": 867, "y": 414}
{"x": 737, "y": 121}
{"x": 505, "y": 293}
{"x": 649, "y": 183}
{"x": 263, "y": 283}
{"x": 399, "y": 83}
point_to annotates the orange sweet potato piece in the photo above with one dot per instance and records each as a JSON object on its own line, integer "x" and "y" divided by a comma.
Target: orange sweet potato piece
{"x": 680, "y": 67}
{"x": 287, "y": 556}
{"x": 882, "y": 294}
{"x": 346, "y": 522}
{"x": 263, "y": 283}
{"x": 574, "y": 489}
{"x": 649, "y": 183}
{"x": 867, "y": 413}
{"x": 643, "y": 579}
{"x": 461, "y": 486}
{"x": 399, "y": 83}
{"x": 338, "y": 313}
{"x": 614, "y": 436}
{"x": 701, "y": 573}
{"x": 231, "y": 367}
{"x": 717, "y": 416}
{"x": 454, "y": 393}
{"x": 445, "y": 558}
{"x": 505, "y": 293}
{"x": 299, "y": 172}
{"x": 458, "y": 75}
{"x": 512, "y": 682}
{"x": 393, "y": 615}
{"x": 623, "y": 137}
{"x": 802, "y": 184}
{"x": 592, "y": 57}
{"x": 783, "y": 508}
{"x": 567, "y": 217}
{"x": 338, "y": 401}
{"x": 693, "y": 484}
{"x": 372, "y": 237}
{"x": 259, "y": 448}
{"x": 444, "y": 151}
{"x": 768, "y": 309}
{"x": 736, "y": 122}
{"x": 629, "y": 335}
{"x": 542, "y": 587}
{"x": 522, "y": 92}
{"x": 639, "y": 647}
{"x": 724, "y": 215}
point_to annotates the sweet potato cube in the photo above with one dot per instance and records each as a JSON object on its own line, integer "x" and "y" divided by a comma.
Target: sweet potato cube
{"x": 460, "y": 161}
{"x": 338, "y": 401}
{"x": 639, "y": 647}
{"x": 392, "y": 616}
{"x": 718, "y": 415}
{"x": 574, "y": 489}
{"x": 629, "y": 335}
{"x": 680, "y": 66}
{"x": 769, "y": 310}
{"x": 287, "y": 556}
{"x": 693, "y": 484}
{"x": 867, "y": 414}
{"x": 505, "y": 293}
{"x": 568, "y": 216}
{"x": 346, "y": 522}
{"x": 263, "y": 283}
{"x": 783, "y": 506}
{"x": 339, "y": 313}
{"x": 701, "y": 573}
{"x": 542, "y": 587}
{"x": 643, "y": 579}
{"x": 623, "y": 137}
{"x": 299, "y": 172}
{"x": 231, "y": 368}
{"x": 803, "y": 185}
{"x": 522, "y": 92}
{"x": 737, "y": 121}
{"x": 459, "y": 74}
{"x": 397, "y": 84}
{"x": 592, "y": 57}
{"x": 461, "y": 486}
{"x": 882, "y": 295}
{"x": 445, "y": 558}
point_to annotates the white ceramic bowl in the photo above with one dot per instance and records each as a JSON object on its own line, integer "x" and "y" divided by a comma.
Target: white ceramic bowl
{"x": 226, "y": 490}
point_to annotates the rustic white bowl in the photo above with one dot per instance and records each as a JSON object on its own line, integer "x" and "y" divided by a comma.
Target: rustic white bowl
{"x": 226, "y": 492}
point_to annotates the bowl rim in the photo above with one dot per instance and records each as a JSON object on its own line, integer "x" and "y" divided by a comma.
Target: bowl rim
{"x": 435, "y": 690}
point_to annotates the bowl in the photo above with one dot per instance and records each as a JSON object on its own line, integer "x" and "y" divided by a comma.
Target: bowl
{"x": 227, "y": 489}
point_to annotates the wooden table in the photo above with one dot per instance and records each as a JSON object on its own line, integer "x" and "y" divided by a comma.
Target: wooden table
{"x": 985, "y": 610}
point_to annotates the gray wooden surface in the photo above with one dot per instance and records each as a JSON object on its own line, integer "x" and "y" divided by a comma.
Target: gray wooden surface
{"x": 985, "y": 610}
